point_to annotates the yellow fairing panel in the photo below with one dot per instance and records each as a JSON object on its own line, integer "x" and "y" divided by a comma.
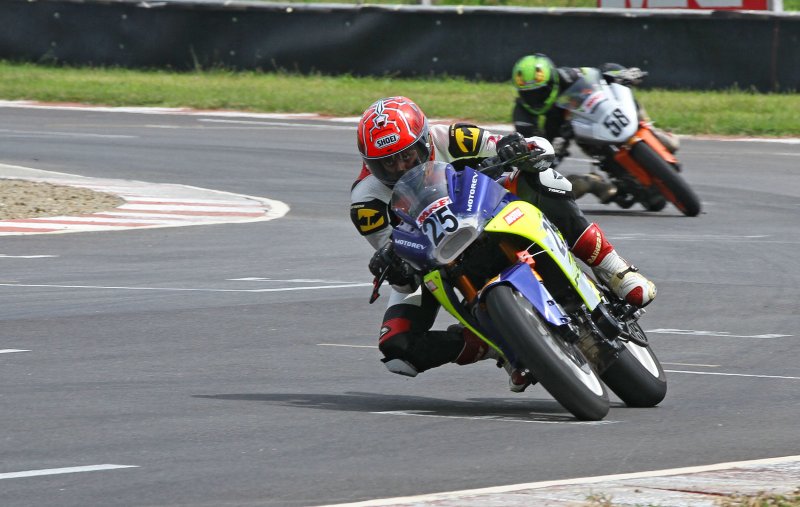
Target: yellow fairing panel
{"x": 524, "y": 219}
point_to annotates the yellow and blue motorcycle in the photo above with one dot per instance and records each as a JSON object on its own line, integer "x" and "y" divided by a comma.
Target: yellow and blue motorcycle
{"x": 500, "y": 267}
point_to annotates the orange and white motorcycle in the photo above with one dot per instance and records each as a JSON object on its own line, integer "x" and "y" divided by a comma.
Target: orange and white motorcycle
{"x": 606, "y": 122}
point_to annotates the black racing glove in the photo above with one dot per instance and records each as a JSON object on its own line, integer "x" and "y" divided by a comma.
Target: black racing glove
{"x": 628, "y": 77}
{"x": 400, "y": 272}
{"x": 512, "y": 147}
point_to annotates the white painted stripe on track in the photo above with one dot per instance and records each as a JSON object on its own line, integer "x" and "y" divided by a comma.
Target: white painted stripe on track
{"x": 528, "y": 419}
{"x": 165, "y": 217}
{"x": 179, "y": 200}
{"x": 185, "y": 289}
{"x": 188, "y": 207}
{"x": 67, "y": 470}
{"x": 10, "y": 351}
{"x": 42, "y": 224}
{"x": 39, "y": 133}
{"x": 5, "y": 256}
{"x": 722, "y": 374}
{"x": 720, "y": 334}
{"x": 84, "y": 219}
{"x": 290, "y": 280}
{"x": 275, "y": 124}
{"x": 348, "y": 346}
{"x": 472, "y": 497}
{"x": 694, "y": 364}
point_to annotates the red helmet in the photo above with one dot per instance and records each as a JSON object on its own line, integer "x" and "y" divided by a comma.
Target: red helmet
{"x": 393, "y": 137}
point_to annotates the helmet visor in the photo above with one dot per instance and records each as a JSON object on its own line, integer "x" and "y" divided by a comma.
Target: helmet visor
{"x": 538, "y": 97}
{"x": 390, "y": 168}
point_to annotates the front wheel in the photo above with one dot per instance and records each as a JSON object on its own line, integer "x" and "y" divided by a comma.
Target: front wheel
{"x": 667, "y": 180}
{"x": 558, "y": 365}
{"x": 636, "y": 376}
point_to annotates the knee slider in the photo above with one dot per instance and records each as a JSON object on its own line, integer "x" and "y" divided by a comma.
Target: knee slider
{"x": 400, "y": 367}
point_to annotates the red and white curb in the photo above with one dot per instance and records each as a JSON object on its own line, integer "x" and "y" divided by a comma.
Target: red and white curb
{"x": 147, "y": 205}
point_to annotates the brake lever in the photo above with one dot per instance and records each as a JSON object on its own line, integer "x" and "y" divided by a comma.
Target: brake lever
{"x": 492, "y": 167}
{"x": 376, "y": 285}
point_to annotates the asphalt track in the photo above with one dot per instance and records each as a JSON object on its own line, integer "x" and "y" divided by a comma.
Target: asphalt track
{"x": 235, "y": 364}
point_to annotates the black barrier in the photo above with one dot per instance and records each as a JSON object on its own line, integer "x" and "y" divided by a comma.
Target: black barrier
{"x": 692, "y": 50}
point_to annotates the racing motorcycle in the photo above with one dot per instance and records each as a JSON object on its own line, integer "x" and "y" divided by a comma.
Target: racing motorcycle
{"x": 503, "y": 270}
{"x": 605, "y": 121}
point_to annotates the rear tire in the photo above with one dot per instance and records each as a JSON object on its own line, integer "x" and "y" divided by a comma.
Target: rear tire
{"x": 667, "y": 180}
{"x": 559, "y": 366}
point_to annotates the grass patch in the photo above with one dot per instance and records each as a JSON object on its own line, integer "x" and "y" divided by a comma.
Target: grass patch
{"x": 732, "y": 112}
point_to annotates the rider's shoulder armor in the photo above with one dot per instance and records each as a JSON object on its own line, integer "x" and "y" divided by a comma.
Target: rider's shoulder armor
{"x": 369, "y": 206}
{"x": 464, "y": 140}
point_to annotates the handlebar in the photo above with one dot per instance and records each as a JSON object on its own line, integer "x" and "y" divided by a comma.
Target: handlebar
{"x": 493, "y": 166}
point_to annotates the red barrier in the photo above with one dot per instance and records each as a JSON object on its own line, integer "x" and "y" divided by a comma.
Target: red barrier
{"x": 729, "y": 5}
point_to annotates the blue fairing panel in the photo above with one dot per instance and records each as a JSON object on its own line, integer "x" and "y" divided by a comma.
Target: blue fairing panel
{"x": 521, "y": 277}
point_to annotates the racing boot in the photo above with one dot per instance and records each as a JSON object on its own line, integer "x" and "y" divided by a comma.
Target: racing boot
{"x": 474, "y": 349}
{"x": 622, "y": 278}
{"x": 518, "y": 380}
{"x": 592, "y": 183}
{"x": 668, "y": 139}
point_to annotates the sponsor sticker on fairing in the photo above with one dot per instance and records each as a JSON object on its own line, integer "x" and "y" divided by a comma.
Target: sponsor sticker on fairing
{"x": 444, "y": 201}
{"x": 432, "y": 287}
{"x": 513, "y": 216}
{"x": 593, "y": 101}
{"x": 409, "y": 244}
{"x": 472, "y": 187}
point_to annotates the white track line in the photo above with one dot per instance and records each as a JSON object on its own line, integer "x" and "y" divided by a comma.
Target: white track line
{"x": 56, "y": 471}
{"x": 185, "y": 289}
{"x": 731, "y": 374}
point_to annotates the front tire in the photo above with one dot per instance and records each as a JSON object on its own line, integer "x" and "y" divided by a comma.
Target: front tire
{"x": 559, "y": 366}
{"x": 637, "y": 376}
{"x": 667, "y": 180}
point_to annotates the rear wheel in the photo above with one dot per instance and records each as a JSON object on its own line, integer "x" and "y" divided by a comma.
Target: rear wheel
{"x": 636, "y": 376}
{"x": 558, "y": 365}
{"x": 667, "y": 180}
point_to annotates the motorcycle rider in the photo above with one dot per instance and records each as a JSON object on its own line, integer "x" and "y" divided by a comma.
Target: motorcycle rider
{"x": 539, "y": 83}
{"x": 393, "y": 137}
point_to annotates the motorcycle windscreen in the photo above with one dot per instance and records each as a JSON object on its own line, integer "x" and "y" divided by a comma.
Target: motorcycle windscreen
{"x": 444, "y": 210}
{"x": 600, "y": 113}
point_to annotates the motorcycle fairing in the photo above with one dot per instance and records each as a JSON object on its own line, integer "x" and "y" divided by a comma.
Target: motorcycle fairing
{"x": 446, "y": 297}
{"x": 600, "y": 113}
{"x": 522, "y": 277}
{"x": 524, "y": 219}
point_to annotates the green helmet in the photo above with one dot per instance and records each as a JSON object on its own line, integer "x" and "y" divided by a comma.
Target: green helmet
{"x": 536, "y": 80}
